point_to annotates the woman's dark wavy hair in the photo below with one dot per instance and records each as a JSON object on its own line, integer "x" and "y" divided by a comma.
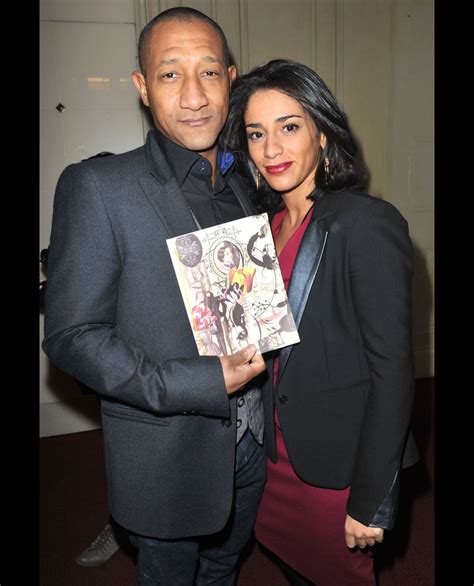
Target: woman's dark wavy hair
{"x": 346, "y": 167}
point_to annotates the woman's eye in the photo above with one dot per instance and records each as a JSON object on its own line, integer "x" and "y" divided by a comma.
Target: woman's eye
{"x": 254, "y": 135}
{"x": 290, "y": 127}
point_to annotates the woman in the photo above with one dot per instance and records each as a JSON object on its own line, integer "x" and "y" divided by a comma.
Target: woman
{"x": 337, "y": 419}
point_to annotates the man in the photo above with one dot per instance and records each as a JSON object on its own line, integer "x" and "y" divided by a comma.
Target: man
{"x": 183, "y": 442}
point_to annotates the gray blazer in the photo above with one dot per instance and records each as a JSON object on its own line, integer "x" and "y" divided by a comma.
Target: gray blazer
{"x": 115, "y": 320}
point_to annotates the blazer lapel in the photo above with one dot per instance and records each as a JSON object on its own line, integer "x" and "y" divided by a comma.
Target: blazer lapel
{"x": 167, "y": 199}
{"x": 170, "y": 205}
{"x": 163, "y": 192}
{"x": 305, "y": 269}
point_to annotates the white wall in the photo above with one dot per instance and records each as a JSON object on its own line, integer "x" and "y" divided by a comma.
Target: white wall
{"x": 87, "y": 53}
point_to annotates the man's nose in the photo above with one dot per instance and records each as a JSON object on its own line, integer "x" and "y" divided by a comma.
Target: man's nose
{"x": 193, "y": 96}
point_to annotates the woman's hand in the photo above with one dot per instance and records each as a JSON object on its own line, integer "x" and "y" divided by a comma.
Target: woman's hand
{"x": 359, "y": 535}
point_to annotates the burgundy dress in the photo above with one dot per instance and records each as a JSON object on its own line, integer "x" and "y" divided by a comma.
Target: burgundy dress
{"x": 300, "y": 523}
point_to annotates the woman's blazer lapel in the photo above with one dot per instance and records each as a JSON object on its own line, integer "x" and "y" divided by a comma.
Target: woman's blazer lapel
{"x": 306, "y": 268}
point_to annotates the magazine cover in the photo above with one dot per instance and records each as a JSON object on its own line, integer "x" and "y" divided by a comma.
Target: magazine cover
{"x": 232, "y": 287}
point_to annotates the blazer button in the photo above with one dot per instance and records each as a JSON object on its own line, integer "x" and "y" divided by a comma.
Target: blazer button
{"x": 226, "y": 422}
{"x": 283, "y": 399}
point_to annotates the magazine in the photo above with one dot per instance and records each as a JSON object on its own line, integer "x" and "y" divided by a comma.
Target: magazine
{"x": 232, "y": 287}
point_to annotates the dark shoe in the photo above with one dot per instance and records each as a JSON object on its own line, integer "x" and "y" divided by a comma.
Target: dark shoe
{"x": 101, "y": 549}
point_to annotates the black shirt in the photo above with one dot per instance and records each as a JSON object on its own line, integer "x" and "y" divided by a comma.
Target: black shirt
{"x": 210, "y": 204}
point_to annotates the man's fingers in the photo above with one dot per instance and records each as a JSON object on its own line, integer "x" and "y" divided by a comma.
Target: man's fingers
{"x": 241, "y": 367}
{"x": 247, "y": 353}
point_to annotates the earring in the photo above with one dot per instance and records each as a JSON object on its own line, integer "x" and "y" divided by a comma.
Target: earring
{"x": 326, "y": 166}
{"x": 257, "y": 179}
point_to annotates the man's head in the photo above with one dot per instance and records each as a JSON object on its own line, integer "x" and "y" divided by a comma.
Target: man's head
{"x": 182, "y": 14}
{"x": 185, "y": 77}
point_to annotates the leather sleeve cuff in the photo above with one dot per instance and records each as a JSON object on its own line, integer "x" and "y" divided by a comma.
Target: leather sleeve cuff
{"x": 386, "y": 513}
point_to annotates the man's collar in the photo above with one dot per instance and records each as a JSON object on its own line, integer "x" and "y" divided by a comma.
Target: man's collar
{"x": 181, "y": 160}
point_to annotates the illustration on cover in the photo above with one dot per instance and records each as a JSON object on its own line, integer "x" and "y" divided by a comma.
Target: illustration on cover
{"x": 232, "y": 287}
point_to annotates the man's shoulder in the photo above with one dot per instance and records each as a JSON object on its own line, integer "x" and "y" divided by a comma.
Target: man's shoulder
{"x": 126, "y": 161}
{"x": 116, "y": 169}
{"x": 105, "y": 177}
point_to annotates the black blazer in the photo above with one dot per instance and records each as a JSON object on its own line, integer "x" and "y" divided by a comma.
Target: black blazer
{"x": 344, "y": 394}
{"x": 115, "y": 320}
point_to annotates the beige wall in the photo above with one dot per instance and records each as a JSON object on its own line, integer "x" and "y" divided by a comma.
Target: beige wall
{"x": 377, "y": 57}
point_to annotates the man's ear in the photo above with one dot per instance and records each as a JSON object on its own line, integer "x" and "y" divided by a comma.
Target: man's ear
{"x": 232, "y": 71}
{"x": 140, "y": 83}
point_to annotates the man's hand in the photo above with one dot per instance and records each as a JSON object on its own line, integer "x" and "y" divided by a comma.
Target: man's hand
{"x": 241, "y": 367}
{"x": 358, "y": 535}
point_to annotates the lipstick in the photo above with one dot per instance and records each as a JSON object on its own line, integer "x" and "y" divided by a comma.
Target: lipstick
{"x": 276, "y": 169}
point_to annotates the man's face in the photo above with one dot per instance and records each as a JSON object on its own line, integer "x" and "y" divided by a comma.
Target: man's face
{"x": 186, "y": 84}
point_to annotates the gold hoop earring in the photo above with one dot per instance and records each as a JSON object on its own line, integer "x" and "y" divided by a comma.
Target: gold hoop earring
{"x": 326, "y": 166}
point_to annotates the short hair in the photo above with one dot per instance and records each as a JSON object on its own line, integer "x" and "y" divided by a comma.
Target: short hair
{"x": 182, "y": 14}
{"x": 346, "y": 167}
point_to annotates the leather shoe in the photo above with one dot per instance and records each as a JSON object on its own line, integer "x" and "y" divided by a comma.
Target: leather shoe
{"x": 101, "y": 549}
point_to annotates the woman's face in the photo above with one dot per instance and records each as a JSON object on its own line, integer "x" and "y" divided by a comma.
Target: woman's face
{"x": 283, "y": 142}
{"x": 228, "y": 257}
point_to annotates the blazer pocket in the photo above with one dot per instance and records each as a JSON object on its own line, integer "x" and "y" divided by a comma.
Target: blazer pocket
{"x": 350, "y": 386}
{"x": 325, "y": 351}
{"x": 119, "y": 411}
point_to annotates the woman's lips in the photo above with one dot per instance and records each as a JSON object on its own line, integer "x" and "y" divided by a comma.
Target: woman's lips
{"x": 276, "y": 169}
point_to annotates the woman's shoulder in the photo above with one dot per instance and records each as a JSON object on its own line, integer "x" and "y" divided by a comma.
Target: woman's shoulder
{"x": 354, "y": 204}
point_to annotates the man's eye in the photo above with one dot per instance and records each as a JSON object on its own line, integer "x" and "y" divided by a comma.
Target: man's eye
{"x": 169, "y": 75}
{"x": 211, "y": 73}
